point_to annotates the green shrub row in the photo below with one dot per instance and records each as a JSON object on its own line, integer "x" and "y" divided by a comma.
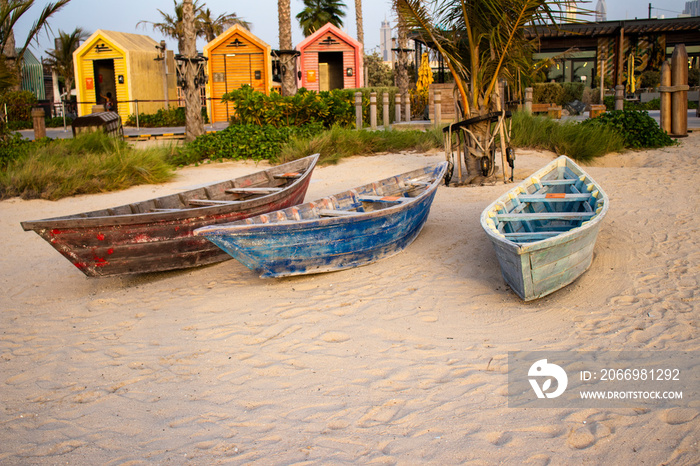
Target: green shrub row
{"x": 654, "y": 104}
{"x": 328, "y": 108}
{"x": 638, "y": 129}
{"x": 242, "y": 141}
{"x": 172, "y": 116}
{"x": 557, "y": 93}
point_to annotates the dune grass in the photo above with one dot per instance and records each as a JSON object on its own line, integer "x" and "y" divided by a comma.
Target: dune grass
{"x": 337, "y": 143}
{"x": 90, "y": 163}
{"x": 580, "y": 142}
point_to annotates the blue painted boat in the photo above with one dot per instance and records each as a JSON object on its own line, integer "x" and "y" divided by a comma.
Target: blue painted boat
{"x": 544, "y": 230}
{"x": 349, "y": 229}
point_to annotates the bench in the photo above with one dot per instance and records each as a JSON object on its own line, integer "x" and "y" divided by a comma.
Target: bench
{"x": 553, "y": 110}
{"x": 596, "y": 110}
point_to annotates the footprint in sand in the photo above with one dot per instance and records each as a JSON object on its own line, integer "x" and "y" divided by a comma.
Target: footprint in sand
{"x": 678, "y": 415}
{"x": 381, "y": 414}
{"x": 580, "y": 438}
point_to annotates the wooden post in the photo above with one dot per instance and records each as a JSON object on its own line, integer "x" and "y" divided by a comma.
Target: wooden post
{"x": 437, "y": 101}
{"x": 679, "y": 98}
{"x": 397, "y": 108}
{"x": 373, "y": 110}
{"x": 665, "y": 97}
{"x": 602, "y": 80}
{"x": 501, "y": 130}
{"x": 358, "y": 110}
{"x": 620, "y": 58}
{"x": 619, "y": 97}
{"x": 407, "y": 104}
{"x": 385, "y": 109}
{"x": 528, "y": 100}
{"x": 39, "y": 122}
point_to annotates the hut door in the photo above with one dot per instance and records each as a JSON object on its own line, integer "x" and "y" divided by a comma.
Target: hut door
{"x": 330, "y": 70}
{"x": 105, "y": 84}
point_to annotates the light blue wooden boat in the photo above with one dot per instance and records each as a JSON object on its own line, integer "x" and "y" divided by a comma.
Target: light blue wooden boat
{"x": 544, "y": 230}
{"x": 349, "y": 229}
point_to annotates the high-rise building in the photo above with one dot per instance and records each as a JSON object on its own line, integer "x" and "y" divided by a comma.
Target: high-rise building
{"x": 385, "y": 40}
{"x": 601, "y": 11}
{"x": 692, "y": 8}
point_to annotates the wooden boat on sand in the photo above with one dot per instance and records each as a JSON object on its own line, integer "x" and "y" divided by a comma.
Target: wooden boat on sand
{"x": 157, "y": 234}
{"x": 349, "y": 229}
{"x": 544, "y": 230}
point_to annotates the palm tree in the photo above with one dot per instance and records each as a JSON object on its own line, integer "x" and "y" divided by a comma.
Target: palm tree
{"x": 172, "y": 25}
{"x": 319, "y": 12}
{"x": 286, "y": 55}
{"x": 10, "y": 12}
{"x": 481, "y": 42}
{"x": 212, "y": 27}
{"x": 61, "y": 58}
{"x": 358, "y": 21}
{"x": 193, "y": 103}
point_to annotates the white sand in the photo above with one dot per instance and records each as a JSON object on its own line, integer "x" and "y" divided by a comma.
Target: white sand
{"x": 399, "y": 362}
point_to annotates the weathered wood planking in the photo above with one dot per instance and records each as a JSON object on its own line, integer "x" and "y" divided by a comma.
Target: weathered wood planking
{"x": 157, "y": 234}
{"x": 349, "y": 229}
{"x": 544, "y": 230}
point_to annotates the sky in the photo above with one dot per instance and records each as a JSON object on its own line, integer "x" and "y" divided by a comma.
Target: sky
{"x": 98, "y": 14}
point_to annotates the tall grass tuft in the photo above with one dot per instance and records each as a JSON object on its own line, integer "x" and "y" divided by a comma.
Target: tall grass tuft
{"x": 570, "y": 138}
{"x": 90, "y": 163}
{"x": 337, "y": 143}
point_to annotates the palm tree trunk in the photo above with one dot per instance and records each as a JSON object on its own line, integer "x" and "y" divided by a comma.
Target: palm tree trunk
{"x": 402, "y": 61}
{"x": 193, "y": 102}
{"x": 288, "y": 62}
{"x": 360, "y": 33}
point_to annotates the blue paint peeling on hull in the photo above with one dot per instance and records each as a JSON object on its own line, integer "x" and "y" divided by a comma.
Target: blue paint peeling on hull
{"x": 365, "y": 225}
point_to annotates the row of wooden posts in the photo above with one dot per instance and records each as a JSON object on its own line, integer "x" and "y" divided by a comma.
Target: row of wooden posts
{"x": 398, "y": 99}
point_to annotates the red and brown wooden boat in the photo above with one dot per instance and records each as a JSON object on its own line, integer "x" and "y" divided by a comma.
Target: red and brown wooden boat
{"x": 156, "y": 235}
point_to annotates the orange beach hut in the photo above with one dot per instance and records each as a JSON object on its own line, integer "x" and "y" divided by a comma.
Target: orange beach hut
{"x": 236, "y": 57}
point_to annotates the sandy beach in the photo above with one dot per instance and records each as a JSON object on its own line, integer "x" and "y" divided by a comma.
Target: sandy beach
{"x": 399, "y": 362}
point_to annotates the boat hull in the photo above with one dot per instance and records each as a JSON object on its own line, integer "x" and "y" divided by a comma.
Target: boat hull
{"x": 537, "y": 268}
{"x": 324, "y": 244}
{"x": 153, "y": 242}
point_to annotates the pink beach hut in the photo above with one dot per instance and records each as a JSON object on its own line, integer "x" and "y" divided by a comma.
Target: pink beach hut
{"x": 330, "y": 59}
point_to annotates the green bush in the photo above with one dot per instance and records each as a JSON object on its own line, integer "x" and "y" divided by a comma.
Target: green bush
{"x": 327, "y": 108}
{"x": 19, "y": 108}
{"x": 547, "y": 93}
{"x": 12, "y": 147}
{"x": 172, "y": 116}
{"x": 639, "y": 130}
{"x": 571, "y": 92}
{"x": 569, "y": 138}
{"x": 650, "y": 79}
{"x": 57, "y": 122}
{"x": 242, "y": 141}
{"x": 694, "y": 77}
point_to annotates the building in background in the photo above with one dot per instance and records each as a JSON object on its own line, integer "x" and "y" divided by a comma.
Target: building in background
{"x": 692, "y": 8}
{"x": 385, "y": 42}
{"x": 330, "y": 59}
{"x": 601, "y": 11}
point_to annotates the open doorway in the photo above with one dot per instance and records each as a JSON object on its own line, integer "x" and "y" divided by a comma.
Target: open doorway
{"x": 105, "y": 84}
{"x": 330, "y": 70}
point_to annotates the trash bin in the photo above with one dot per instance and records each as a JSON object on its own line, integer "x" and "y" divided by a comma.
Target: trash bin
{"x": 108, "y": 122}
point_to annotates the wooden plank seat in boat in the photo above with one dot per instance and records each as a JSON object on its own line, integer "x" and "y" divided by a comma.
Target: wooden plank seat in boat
{"x": 337, "y": 213}
{"x": 210, "y": 202}
{"x": 519, "y": 217}
{"x": 563, "y": 182}
{"x": 262, "y": 190}
{"x": 531, "y": 236}
{"x": 555, "y": 197}
{"x": 287, "y": 176}
{"x": 365, "y": 198}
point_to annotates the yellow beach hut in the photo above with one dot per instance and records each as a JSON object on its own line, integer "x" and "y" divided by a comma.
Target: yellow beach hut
{"x": 236, "y": 57}
{"x": 127, "y": 69}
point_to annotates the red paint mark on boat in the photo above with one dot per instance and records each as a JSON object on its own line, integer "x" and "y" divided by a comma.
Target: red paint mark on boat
{"x": 110, "y": 251}
{"x": 55, "y": 232}
{"x": 80, "y": 265}
{"x": 555, "y": 196}
{"x": 100, "y": 237}
{"x": 390, "y": 198}
{"x": 101, "y": 264}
